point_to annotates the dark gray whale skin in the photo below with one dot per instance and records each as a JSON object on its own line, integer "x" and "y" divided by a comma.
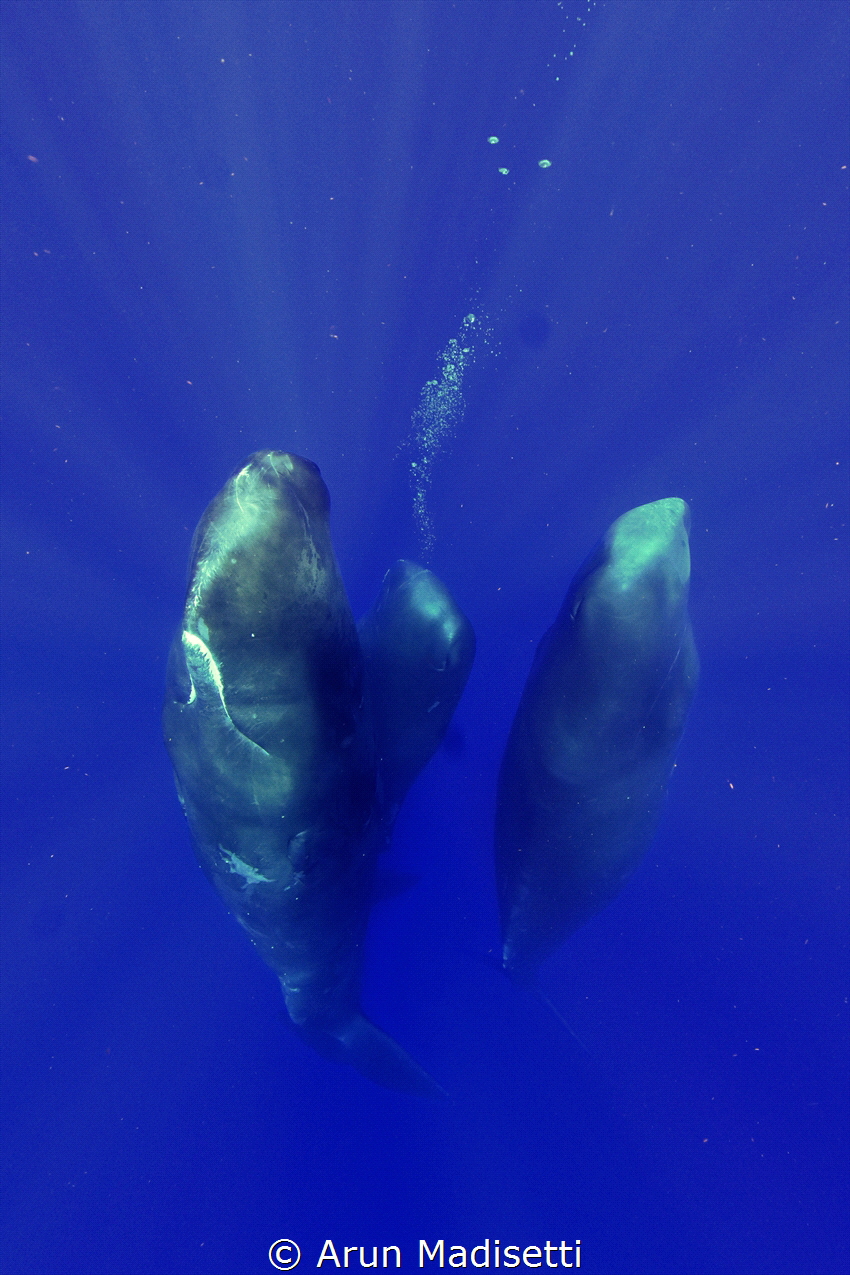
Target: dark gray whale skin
{"x": 594, "y": 740}
{"x": 269, "y": 725}
{"x": 419, "y": 649}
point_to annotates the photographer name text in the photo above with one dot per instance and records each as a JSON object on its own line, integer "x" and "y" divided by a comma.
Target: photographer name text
{"x": 485, "y": 1256}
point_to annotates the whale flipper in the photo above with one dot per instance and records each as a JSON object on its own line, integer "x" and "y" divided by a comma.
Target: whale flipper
{"x": 594, "y": 740}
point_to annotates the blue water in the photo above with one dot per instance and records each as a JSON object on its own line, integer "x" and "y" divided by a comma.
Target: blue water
{"x": 235, "y": 224}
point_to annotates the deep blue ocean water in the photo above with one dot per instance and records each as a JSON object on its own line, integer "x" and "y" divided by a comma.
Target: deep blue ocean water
{"x": 240, "y": 224}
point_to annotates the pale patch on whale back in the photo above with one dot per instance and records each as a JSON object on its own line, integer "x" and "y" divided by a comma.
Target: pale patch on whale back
{"x": 239, "y": 519}
{"x": 204, "y": 673}
{"x": 241, "y": 868}
{"x": 194, "y": 646}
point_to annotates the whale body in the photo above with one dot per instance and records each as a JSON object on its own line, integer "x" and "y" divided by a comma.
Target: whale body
{"x": 594, "y": 740}
{"x": 280, "y": 756}
{"x": 418, "y": 648}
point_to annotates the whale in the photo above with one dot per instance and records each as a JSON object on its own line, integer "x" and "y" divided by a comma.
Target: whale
{"x": 283, "y": 738}
{"x": 418, "y": 648}
{"x": 592, "y": 746}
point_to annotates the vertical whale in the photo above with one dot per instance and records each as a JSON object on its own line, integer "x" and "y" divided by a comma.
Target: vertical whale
{"x": 269, "y": 723}
{"x": 592, "y": 746}
{"x": 419, "y": 648}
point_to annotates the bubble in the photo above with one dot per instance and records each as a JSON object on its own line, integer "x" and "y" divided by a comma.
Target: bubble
{"x": 492, "y": 140}
{"x": 544, "y": 163}
{"x": 439, "y": 412}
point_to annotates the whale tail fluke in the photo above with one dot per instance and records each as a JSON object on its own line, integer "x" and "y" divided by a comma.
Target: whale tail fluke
{"x": 374, "y": 1054}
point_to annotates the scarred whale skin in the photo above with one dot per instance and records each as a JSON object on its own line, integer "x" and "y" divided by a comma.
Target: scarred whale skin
{"x": 594, "y": 740}
{"x": 272, "y": 739}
